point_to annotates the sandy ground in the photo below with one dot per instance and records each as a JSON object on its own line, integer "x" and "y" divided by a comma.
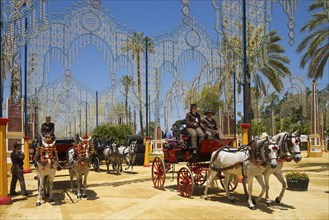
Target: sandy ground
{"x": 132, "y": 196}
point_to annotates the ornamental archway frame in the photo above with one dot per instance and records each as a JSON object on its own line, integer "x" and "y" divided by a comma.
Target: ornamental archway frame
{"x": 176, "y": 48}
{"x": 83, "y": 25}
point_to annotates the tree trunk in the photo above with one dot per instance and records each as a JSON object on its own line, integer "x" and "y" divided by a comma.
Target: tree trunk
{"x": 126, "y": 106}
{"x": 139, "y": 92}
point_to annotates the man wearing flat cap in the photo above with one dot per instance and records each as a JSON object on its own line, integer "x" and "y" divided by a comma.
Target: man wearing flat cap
{"x": 194, "y": 126}
{"x": 210, "y": 125}
{"x": 17, "y": 158}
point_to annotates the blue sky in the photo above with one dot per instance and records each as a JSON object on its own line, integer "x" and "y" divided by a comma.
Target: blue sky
{"x": 155, "y": 16}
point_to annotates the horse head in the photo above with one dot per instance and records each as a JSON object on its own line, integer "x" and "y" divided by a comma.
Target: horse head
{"x": 85, "y": 149}
{"x": 114, "y": 147}
{"x": 270, "y": 152}
{"x": 133, "y": 147}
{"x": 289, "y": 143}
{"x": 293, "y": 146}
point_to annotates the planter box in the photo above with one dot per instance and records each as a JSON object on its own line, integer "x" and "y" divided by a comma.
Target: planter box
{"x": 297, "y": 185}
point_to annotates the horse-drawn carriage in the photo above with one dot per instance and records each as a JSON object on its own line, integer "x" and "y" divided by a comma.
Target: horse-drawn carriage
{"x": 216, "y": 159}
{"x": 52, "y": 155}
{"x": 195, "y": 172}
{"x": 112, "y": 153}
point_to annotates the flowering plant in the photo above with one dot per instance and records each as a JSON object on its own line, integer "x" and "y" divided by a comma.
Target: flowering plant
{"x": 297, "y": 176}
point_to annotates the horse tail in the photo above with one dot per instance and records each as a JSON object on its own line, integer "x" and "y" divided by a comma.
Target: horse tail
{"x": 213, "y": 157}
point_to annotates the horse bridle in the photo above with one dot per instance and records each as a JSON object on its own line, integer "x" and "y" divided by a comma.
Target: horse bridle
{"x": 79, "y": 154}
{"x": 284, "y": 145}
{"x": 266, "y": 149}
{"x": 130, "y": 149}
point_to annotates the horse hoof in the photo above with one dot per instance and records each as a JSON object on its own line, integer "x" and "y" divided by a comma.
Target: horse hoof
{"x": 84, "y": 196}
{"x": 51, "y": 200}
{"x": 78, "y": 196}
{"x": 277, "y": 200}
{"x": 252, "y": 207}
{"x": 253, "y": 201}
{"x": 269, "y": 203}
{"x": 232, "y": 200}
{"x": 38, "y": 204}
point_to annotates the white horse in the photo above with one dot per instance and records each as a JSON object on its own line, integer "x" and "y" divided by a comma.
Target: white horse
{"x": 79, "y": 163}
{"x": 111, "y": 155}
{"x": 129, "y": 153}
{"x": 46, "y": 167}
{"x": 248, "y": 160}
{"x": 289, "y": 147}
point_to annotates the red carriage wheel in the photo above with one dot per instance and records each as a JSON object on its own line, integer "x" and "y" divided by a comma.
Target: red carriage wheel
{"x": 185, "y": 182}
{"x": 199, "y": 171}
{"x": 232, "y": 184}
{"x": 200, "y": 176}
{"x": 158, "y": 173}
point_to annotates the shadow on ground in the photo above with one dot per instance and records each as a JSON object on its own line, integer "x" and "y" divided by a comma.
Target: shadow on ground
{"x": 119, "y": 183}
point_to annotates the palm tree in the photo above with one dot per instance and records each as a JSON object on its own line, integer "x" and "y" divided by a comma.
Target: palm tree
{"x": 136, "y": 45}
{"x": 117, "y": 113}
{"x": 274, "y": 70}
{"x": 316, "y": 41}
{"x": 127, "y": 82}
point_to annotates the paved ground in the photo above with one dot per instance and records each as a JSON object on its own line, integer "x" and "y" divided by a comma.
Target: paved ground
{"x": 132, "y": 196}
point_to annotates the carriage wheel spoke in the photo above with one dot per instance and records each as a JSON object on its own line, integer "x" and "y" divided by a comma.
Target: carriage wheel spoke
{"x": 158, "y": 174}
{"x": 185, "y": 182}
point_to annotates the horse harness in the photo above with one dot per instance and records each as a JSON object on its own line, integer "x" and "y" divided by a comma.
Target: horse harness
{"x": 254, "y": 156}
{"x": 79, "y": 155}
{"x": 228, "y": 149}
{"x": 283, "y": 146}
{"x": 129, "y": 150}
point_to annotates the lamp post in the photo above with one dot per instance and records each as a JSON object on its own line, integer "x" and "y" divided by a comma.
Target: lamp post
{"x": 25, "y": 83}
{"x": 147, "y": 91}
{"x": 245, "y": 62}
{"x": 96, "y": 108}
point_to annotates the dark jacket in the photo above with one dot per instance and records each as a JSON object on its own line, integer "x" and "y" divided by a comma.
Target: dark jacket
{"x": 209, "y": 124}
{"x": 17, "y": 158}
{"x": 191, "y": 119}
{"x": 47, "y": 129}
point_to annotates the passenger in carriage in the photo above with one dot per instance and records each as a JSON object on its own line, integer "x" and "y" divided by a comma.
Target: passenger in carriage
{"x": 172, "y": 139}
{"x": 194, "y": 126}
{"x": 210, "y": 126}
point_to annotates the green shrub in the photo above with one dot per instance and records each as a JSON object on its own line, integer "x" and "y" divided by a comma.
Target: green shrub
{"x": 116, "y": 132}
{"x": 297, "y": 176}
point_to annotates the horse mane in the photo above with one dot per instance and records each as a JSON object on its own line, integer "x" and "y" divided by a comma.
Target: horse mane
{"x": 280, "y": 138}
{"x": 259, "y": 146}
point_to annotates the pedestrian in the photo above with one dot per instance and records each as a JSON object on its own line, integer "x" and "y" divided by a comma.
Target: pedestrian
{"x": 17, "y": 158}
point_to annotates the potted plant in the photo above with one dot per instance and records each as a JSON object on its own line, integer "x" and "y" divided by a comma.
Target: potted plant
{"x": 297, "y": 181}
